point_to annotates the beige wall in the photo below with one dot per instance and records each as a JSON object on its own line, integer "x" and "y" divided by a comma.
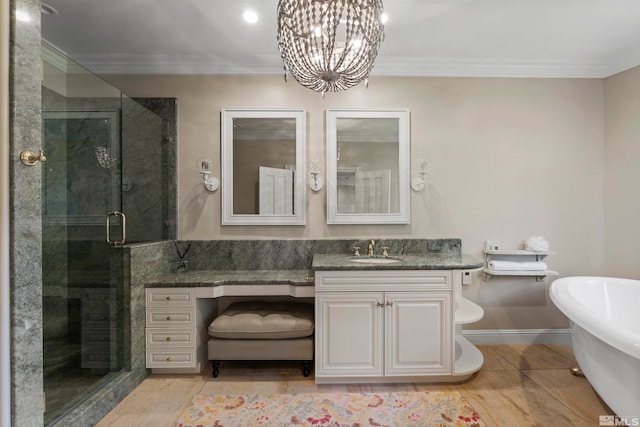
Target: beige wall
{"x": 622, "y": 164}
{"x": 510, "y": 158}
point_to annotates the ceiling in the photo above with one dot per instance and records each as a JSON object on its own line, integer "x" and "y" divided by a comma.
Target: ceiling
{"x": 494, "y": 38}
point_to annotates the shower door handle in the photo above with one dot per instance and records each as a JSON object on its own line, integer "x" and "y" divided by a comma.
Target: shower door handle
{"x": 124, "y": 228}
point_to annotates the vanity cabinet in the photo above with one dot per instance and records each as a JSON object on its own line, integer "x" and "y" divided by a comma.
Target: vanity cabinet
{"x": 175, "y": 330}
{"x": 384, "y": 324}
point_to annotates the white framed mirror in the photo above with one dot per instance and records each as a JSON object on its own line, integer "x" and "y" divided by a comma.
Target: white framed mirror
{"x": 368, "y": 173}
{"x": 263, "y": 167}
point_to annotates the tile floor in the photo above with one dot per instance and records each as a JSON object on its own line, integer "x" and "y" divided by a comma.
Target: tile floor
{"x": 519, "y": 385}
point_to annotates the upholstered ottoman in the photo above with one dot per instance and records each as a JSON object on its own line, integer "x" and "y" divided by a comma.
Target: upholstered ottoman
{"x": 257, "y": 330}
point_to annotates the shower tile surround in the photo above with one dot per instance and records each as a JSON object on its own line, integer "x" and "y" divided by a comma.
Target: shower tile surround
{"x": 25, "y": 213}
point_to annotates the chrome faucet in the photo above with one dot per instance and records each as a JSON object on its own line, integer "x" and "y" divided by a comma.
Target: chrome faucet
{"x": 370, "y": 248}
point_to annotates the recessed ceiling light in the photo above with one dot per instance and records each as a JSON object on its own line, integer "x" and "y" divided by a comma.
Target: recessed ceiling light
{"x": 46, "y": 9}
{"x": 250, "y": 16}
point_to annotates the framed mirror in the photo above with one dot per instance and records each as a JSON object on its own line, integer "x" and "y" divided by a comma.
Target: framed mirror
{"x": 368, "y": 174}
{"x": 263, "y": 167}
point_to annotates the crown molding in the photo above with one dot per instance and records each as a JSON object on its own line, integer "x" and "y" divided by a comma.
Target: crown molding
{"x": 622, "y": 64}
{"x": 385, "y": 66}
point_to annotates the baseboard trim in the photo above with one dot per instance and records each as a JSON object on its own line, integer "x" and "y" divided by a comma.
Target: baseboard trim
{"x": 518, "y": 336}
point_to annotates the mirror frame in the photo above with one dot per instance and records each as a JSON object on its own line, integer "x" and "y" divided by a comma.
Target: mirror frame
{"x": 404, "y": 178}
{"x": 300, "y": 193}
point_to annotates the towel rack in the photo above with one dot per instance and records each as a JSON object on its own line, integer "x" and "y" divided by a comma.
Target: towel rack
{"x": 514, "y": 253}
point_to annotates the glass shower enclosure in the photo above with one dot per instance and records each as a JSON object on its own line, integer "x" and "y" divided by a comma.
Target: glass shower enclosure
{"x": 106, "y": 182}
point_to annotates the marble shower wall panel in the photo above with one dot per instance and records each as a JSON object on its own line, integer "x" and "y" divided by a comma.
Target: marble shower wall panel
{"x": 142, "y": 262}
{"x": 26, "y": 247}
{"x": 148, "y": 168}
{"x": 167, "y": 110}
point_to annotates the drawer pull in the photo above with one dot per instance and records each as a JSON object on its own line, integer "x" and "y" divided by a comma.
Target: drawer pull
{"x": 168, "y": 338}
{"x": 168, "y": 298}
{"x": 169, "y": 359}
{"x": 168, "y": 317}
{"x": 390, "y": 304}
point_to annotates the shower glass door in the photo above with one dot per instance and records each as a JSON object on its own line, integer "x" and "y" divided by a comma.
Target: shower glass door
{"x": 106, "y": 155}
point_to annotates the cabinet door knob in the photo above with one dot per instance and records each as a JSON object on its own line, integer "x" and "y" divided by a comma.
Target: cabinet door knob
{"x": 379, "y": 304}
{"x": 168, "y": 298}
{"x": 168, "y": 317}
{"x": 390, "y": 304}
{"x": 169, "y": 359}
{"x": 168, "y": 338}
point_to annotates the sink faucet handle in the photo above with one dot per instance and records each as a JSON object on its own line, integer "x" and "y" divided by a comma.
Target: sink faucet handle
{"x": 356, "y": 251}
{"x": 385, "y": 251}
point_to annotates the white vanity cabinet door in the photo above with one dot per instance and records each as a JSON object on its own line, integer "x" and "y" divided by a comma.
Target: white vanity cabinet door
{"x": 418, "y": 333}
{"x": 348, "y": 334}
{"x": 403, "y": 327}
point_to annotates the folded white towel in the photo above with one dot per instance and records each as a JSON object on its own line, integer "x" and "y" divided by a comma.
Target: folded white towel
{"x": 536, "y": 244}
{"x": 500, "y": 265}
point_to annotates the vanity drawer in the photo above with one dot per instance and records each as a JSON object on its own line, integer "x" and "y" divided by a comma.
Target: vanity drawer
{"x": 167, "y": 338}
{"x": 171, "y": 317}
{"x": 383, "y": 280}
{"x": 170, "y": 297}
{"x": 171, "y": 358}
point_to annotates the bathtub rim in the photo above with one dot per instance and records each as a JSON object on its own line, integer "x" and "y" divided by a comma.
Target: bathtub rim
{"x": 621, "y": 339}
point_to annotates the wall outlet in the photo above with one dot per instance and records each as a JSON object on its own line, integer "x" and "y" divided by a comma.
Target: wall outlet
{"x": 466, "y": 277}
{"x": 492, "y": 245}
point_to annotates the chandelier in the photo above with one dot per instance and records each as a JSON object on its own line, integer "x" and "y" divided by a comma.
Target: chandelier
{"x": 329, "y": 45}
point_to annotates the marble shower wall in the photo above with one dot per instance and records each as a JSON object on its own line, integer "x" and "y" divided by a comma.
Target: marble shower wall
{"x": 26, "y": 260}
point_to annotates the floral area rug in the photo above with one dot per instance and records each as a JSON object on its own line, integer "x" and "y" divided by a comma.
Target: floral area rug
{"x": 403, "y": 409}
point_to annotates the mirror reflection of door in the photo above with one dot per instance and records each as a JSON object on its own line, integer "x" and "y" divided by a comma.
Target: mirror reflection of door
{"x": 259, "y": 143}
{"x": 370, "y": 148}
{"x": 373, "y": 191}
{"x": 276, "y": 191}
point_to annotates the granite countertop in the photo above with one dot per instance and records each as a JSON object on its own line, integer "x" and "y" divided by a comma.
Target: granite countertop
{"x": 208, "y": 278}
{"x": 429, "y": 261}
{"x": 212, "y": 278}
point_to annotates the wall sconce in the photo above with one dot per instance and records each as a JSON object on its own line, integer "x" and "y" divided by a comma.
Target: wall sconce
{"x": 316, "y": 181}
{"x": 210, "y": 183}
{"x": 417, "y": 183}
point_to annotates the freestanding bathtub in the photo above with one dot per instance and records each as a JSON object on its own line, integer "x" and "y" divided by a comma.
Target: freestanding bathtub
{"x": 605, "y": 333}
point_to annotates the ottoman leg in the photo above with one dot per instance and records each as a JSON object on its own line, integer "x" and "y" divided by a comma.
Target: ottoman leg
{"x": 216, "y": 368}
{"x": 306, "y": 368}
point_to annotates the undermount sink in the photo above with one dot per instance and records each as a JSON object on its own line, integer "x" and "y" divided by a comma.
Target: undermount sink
{"x": 374, "y": 260}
